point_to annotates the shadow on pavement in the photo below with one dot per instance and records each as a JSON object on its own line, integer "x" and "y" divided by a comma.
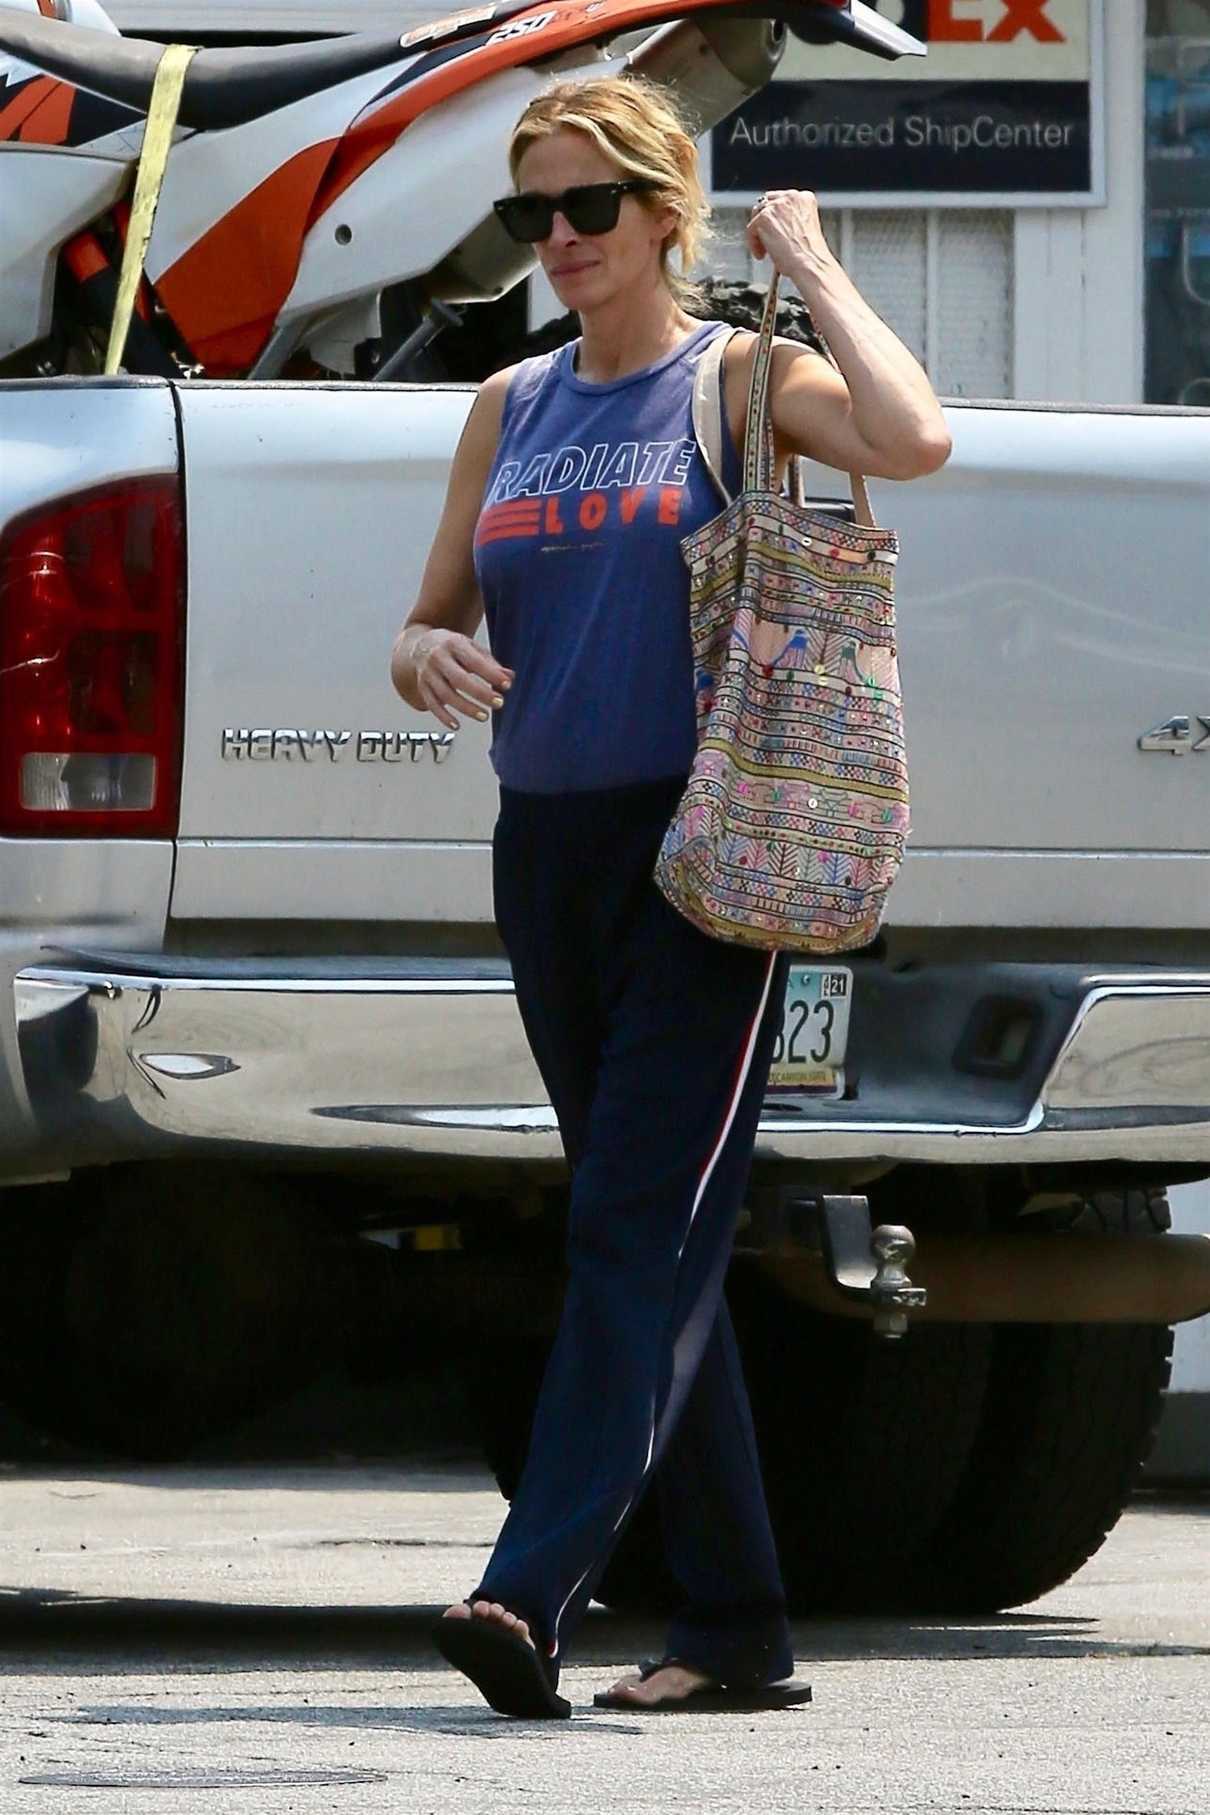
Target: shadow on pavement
{"x": 53, "y": 1629}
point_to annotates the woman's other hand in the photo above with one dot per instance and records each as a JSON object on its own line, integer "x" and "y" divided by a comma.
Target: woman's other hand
{"x": 454, "y": 675}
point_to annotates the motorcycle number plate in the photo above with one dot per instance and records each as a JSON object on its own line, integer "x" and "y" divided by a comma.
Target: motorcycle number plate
{"x": 811, "y": 1043}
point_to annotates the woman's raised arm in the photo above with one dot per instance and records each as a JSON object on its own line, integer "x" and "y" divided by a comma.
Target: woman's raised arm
{"x": 878, "y": 414}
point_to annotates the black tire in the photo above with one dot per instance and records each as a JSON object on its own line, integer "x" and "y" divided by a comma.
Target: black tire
{"x": 1071, "y": 1414}
{"x": 39, "y": 1227}
{"x": 172, "y": 1302}
{"x": 862, "y": 1441}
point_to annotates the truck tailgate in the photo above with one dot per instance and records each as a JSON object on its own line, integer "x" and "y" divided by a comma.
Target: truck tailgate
{"x": 1052, "y": 601}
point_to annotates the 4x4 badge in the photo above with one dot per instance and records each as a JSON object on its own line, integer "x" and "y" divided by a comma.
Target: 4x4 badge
{"x": 1176, "y": 736}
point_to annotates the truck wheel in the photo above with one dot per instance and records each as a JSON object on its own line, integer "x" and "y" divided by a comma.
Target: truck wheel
{"x": 1070, "y": 1416}
{"x": 39, "y": 1226}
{"x": 862, "y": 1441}
{"x": 174, "y": 1302}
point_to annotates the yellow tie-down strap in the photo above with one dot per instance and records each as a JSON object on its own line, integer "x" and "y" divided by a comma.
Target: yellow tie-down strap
{"x": 157, "y": 139}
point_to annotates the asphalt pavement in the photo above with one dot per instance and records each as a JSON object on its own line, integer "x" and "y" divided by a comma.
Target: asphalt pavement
{"x": 197, "y": 1640}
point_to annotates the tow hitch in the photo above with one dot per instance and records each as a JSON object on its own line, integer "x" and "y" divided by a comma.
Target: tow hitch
{"x": 869, "y": 1266}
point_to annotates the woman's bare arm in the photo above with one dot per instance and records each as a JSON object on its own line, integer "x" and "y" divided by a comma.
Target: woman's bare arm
{"x": 436, "y": 665}
{"x": 878, "y": 414}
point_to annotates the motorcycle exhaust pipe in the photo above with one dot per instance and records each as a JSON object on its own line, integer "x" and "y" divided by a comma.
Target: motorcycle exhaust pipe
{"x": 709, "y": 68}
{"x": 711, "y": 65}
{"x": 1008, "y": 1277}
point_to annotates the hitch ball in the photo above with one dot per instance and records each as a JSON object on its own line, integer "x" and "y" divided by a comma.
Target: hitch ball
{"x": 892, "y": 1291}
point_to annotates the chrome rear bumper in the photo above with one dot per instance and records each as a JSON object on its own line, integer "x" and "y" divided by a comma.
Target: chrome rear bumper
{"x": 124, "y": 1057}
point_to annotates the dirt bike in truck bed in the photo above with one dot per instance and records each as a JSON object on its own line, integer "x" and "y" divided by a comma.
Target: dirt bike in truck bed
{"x": 266, "y": 1106}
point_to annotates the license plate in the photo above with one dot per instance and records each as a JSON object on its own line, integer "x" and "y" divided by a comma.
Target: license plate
{"x": 810, "y": 1049}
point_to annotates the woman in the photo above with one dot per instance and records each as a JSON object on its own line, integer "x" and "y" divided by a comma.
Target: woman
{"x": 576, "y": 477}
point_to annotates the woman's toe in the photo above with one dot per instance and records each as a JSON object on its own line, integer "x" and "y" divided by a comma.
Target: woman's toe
{"x": 672, "y": 1684}
{"x": 625, "y": 1685}
{"x": 496, "y": 1614}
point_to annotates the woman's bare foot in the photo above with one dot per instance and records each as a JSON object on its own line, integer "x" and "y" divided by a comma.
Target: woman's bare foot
{"x": 491, "y": 1611}
{"x": 493, "y": 1648}
{"x": 671, "y": 1684}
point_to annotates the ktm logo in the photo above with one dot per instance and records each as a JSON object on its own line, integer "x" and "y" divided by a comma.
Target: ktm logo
{"x": 954, "y": 22}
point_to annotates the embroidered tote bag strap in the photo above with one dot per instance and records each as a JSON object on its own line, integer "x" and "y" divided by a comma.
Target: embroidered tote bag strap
{"x": 708, "y": 424}
{"x": 760, "y": 459}
{"x": 709, "y": 417}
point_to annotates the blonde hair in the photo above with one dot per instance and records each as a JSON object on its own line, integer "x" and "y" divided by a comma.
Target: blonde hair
{"x": 637, "y": 126}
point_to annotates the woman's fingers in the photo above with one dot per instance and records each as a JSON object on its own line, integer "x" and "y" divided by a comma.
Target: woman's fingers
{"x": 439, "y": 712}
{"x": 455, "y": 669}
{"x": 785, "y": 221}
{"x": 455, "y": 676}
{"x": 472, "y": 670}
{"x": 484, "y": 663}
{"x": 444, "y": 700}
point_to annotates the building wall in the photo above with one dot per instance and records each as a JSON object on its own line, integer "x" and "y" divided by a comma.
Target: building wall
{"x": 1033, "y": 303}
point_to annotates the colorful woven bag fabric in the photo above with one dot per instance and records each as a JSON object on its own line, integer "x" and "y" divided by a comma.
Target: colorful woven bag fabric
{"x": 792, "y": 825}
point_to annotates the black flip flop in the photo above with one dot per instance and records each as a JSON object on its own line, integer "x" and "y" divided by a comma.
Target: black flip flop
{"x": 508, "y": 1672}
{"x": 715, "y": 1698}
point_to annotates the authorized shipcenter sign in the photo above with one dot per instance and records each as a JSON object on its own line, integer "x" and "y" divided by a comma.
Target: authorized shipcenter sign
{"x": 1006, "y": 109}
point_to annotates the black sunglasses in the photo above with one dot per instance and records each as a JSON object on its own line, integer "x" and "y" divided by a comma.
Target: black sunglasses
{"x": 588, "y": 208}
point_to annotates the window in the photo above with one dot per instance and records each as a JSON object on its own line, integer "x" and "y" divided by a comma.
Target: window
{"x": 1177, "y": 226}
{"x": 942, "y": 278}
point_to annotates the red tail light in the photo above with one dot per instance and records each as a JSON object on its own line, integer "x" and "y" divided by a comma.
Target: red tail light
{"x": 92, "y": 621}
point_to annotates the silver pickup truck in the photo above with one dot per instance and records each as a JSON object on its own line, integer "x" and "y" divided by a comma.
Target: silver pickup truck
{"x": 266, "y": 1105}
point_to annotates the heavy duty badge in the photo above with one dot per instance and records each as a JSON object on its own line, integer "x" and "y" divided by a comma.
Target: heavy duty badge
{"x": 290, "y": 744}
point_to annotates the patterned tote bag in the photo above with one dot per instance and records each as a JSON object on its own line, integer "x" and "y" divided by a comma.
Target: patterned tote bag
{"x": 792, "y": 826}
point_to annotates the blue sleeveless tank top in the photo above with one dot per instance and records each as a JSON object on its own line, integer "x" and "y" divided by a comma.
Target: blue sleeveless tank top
{"x": 577, "y": 557}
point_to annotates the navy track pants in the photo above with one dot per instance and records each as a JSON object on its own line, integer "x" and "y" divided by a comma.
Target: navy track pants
{"x": 654, "y": 1042}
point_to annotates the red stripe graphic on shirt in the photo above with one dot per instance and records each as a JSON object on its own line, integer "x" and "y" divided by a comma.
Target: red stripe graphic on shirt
{"x": 502, "y": 522}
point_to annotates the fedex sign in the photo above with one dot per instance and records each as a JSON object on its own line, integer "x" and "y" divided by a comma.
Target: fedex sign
{"x": 1006, "y": 108}
{"x": 968, "y": 41}
{"x": 976, "y": 22}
